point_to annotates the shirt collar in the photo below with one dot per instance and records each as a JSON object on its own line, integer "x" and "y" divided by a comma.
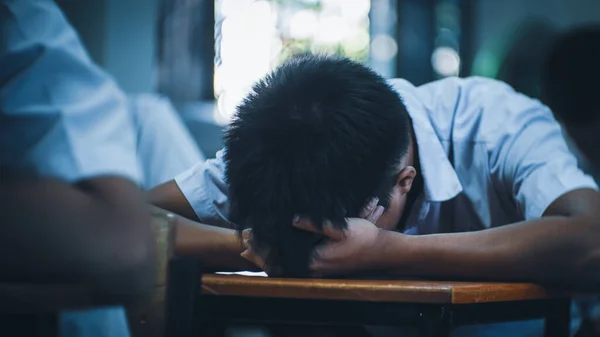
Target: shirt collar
{"x": 440, "y": 180}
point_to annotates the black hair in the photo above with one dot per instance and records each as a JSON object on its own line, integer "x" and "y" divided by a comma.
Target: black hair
{"x": 317, "y": 137}
{"x": 571, "y": 75}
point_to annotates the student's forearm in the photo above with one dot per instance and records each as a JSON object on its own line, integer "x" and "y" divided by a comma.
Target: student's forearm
{"x": 169, "y": 196}
{"x": 550, "y": 250}
{"x": 217, "y": 249}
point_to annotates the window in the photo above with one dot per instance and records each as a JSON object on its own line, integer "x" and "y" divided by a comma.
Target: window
{"x": 255, "y": 36}
{"x": 215, "y": 50}
{"x": 186, "y": 50}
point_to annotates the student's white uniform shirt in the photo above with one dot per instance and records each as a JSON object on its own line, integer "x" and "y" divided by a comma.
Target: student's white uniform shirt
{"x": 510, "y": 160}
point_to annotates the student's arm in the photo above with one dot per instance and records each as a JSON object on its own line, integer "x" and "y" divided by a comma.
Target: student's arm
{"x": 168, "y": 196}
{"x": 94, "y": 234}
{"x": 217, "y": 249}
{"x": 530, "y": 163}
{"x": 200, "y": 193}
{"x": 561, "y": 249}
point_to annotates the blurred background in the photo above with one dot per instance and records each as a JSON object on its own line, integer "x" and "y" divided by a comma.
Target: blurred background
{"x": 204, "y": 55}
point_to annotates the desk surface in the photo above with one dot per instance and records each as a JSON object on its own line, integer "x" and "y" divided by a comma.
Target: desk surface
{"x": 374, "y": 290}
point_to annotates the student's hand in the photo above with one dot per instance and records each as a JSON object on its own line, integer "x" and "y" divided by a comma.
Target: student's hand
{"x": 371, "y": 213}
{"x": 355, "y": 249}
{"x": 257, "y": 258}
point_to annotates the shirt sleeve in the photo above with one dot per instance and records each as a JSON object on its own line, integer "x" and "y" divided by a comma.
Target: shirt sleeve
{"x": 205, "y": 189}
{"x": 60, "y": 115}
{"x": 529, "y": 157}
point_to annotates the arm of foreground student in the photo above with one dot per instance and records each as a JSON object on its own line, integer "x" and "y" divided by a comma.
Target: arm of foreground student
{"x": 95, "y": 234}
{"x": 560, "y": 248}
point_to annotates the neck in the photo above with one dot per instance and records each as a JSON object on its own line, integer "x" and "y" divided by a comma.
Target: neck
{"x": 412, "y": 159}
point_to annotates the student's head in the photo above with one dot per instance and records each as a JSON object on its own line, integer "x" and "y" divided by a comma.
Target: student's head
{"x": 318, "y": 137}
{"x": 570, "y": 83}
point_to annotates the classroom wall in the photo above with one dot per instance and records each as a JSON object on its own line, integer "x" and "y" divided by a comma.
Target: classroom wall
{"x": 495, "y": 17}
{"x": 132, "y": 27}
{"x": 120, "y": 36}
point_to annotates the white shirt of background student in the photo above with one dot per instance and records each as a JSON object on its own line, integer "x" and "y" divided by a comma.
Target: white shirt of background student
{"x": 61, "y": 116}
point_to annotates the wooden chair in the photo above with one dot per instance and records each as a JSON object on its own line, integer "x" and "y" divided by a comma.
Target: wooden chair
{"x": 435, "y": 308}
{"x": 149, "y": 319}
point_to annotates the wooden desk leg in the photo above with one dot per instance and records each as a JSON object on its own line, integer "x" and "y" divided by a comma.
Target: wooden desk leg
{"x": 435, "y": 322}
{"x": 206, "y": 322}
{"x": 210, "y": 328}
{"x": 50, "y": 326}
{"x": 34, "y": 325}
{"x": 558, "y": 319}
{"x": 183, "y": 287}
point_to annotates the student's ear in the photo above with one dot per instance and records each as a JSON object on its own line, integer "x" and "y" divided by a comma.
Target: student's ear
{"x": 405, "y": 179}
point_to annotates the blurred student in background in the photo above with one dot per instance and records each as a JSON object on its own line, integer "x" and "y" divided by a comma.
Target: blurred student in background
{"x": 569, "y": 84}
{"x": 74, "y": 151}
{"x": 164, "y": 145}
{"x": 570, "y": 88}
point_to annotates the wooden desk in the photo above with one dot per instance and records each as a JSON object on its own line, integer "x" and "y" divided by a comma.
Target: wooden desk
{"x": 434, "y": 307}
{"x": 373, "y": 290}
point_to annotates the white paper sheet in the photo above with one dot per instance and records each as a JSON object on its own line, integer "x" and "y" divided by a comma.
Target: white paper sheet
{"x": 244, "y": 273}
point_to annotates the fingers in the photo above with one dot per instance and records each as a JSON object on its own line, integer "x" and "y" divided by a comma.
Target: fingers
{"x": 324, "y": 260}
{"x": 246, "y": 233}
{"x": 328, "y": 229}
{"x": 369, "y": 208}
{"x": 305, "y": 224}
{"x": 249, "y": 253}
{"x": 259, "y": 261}
{"x": 254, "y": 257}
{"x": 336, "y": 234}
{"x": 375, "y": 215}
